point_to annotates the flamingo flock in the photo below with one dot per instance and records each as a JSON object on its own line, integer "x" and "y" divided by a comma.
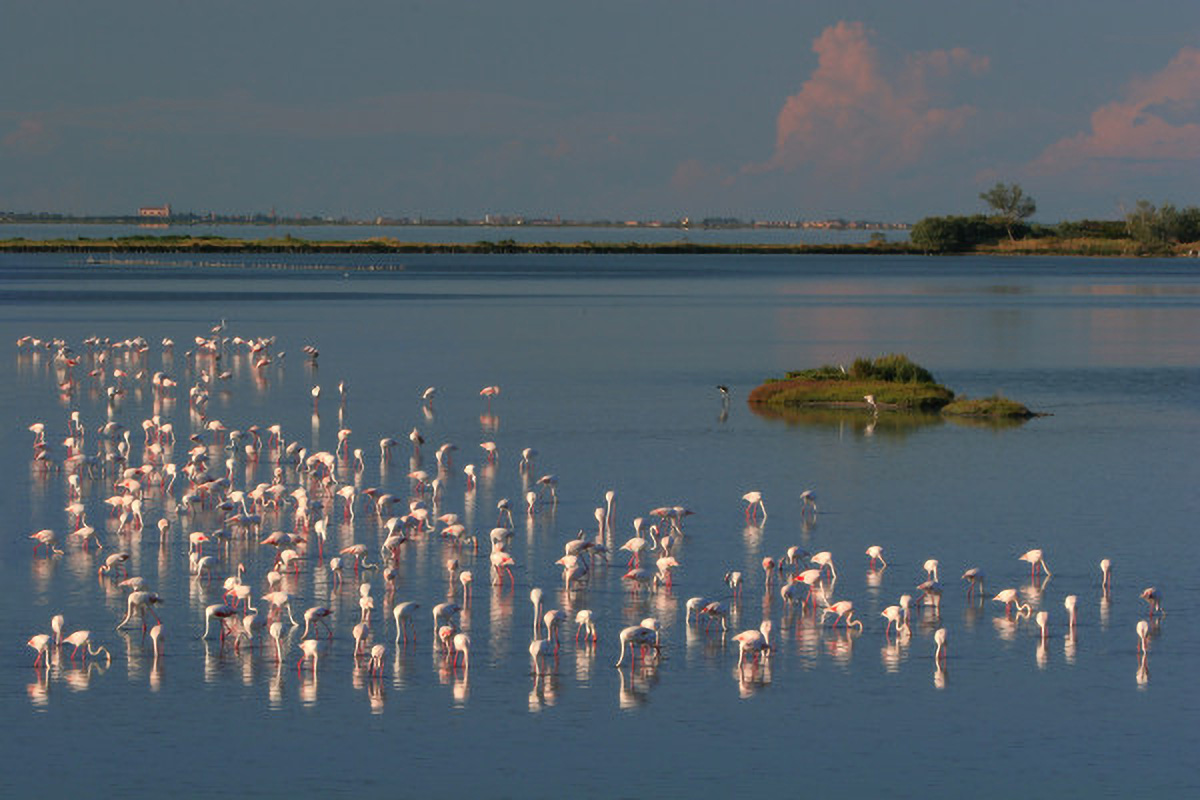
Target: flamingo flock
{"x": 247, "y": 493}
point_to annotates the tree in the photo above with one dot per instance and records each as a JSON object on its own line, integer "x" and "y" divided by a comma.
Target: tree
{"x": 1010, "y": 203}
{"x": 1157, "y": 227}
{"x": 955, "y": 234}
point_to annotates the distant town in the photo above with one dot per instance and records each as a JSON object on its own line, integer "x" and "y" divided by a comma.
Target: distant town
{"x": 164, "y": 215}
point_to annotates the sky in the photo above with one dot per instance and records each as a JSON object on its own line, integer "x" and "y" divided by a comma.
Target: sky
{"x": 860, "y": 109}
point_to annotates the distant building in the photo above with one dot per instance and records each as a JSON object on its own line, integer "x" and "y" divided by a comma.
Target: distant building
{"x": 154, "y": 211}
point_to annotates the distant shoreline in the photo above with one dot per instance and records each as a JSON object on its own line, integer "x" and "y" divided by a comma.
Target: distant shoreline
{"x": 386, "y": 245}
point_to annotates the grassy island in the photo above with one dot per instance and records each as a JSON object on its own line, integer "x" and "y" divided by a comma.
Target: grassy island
{"x": 891, "y": 382}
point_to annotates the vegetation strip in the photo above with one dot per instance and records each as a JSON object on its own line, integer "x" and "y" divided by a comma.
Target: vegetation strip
{"x": 891, "y": 382}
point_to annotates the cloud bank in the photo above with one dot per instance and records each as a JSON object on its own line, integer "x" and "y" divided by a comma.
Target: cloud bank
{"x": 1157, "y": 120}
{"x": 857, "y": 115}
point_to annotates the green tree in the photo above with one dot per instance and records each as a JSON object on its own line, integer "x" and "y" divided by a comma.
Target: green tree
{"x": 955, "y": 234}
{"x": 1010, "y": 203}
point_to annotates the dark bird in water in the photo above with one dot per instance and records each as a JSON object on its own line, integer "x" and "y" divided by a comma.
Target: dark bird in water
{"x": 724, "y": 390}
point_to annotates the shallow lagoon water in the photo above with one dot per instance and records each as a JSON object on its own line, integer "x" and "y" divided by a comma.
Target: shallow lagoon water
{"x": 608, "y": 367}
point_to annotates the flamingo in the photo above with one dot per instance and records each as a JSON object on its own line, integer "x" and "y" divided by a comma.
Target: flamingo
{"x": 552, "y": 619}
{"x": 931, "y": 569}
{"x": 504, "y": 510}
{"x": 362, "y": 633}
{"x": 1010, "y": 599}
{"x": 41, "y": 644}
{"x": 375, "y": 665}
{"x": 716, "y": 610}
{"x": 44, "y": 537}
{"x": 156, "y": 639}
{"x": 83, "y": 639}
{"x": 309, "y": 649}
{"x": 810, "y": 578}
{"x": 939, "y": 638}
{"x": 316, "y": 616}
{"x": 754, "y": 504}
{"x": 1034, "y": 557}
{"x": 824, "y": 559}
{"x": 769, "y": 566}
{"x": 636, "y": 545}
{"x": 584, "y": 623}
{"x": 808, "y": 500}
{"x": 1042, "y": 619}
{"x": 694, "y": 605}
{"x": 1105, "y": 573}
{"x": 974, "y": 577}
{"x": 443, "y": 614}
{"x": 895, "y": 617}
{"x": 1069, "y": 604}
{"x": 141, "y": 602}
{"x": 754, "y": 642}
{"x": 634, "y": 636}
{"x": 276, "y": 632}
{"x": 642, "y": 576}
{"x": 462, "y": 647}
{"x": 1154, "y": 600}
{"x": 221, "y": 612}
{"x": 797, "y": 554}
{"x": 1143, "y": 634}
{"x": 876, "y": 554}
{"x": 538, "y": 650}
{"x": 844, "y": 609}
{"x": 402, "y": 614}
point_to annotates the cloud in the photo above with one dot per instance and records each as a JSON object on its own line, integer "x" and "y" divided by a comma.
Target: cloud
{"x": 1158, "y": 120}
{"x": 30, "y": 136}
{"x": 857, "y": 115}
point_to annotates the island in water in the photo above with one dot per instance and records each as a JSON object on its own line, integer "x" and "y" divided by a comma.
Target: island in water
{"x": 891, "y": 382}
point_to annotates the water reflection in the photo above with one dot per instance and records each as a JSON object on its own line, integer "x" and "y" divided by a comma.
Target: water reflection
{"x": 939, "y": 675}
{"x": 544, "y": 693}
{"x": 850, "y": 421}
{"x": 753, "y": 678}
{"x": 39, "y": 691}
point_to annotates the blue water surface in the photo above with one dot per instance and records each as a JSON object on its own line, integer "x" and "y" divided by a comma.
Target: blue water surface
{"x": 608, "y": 367}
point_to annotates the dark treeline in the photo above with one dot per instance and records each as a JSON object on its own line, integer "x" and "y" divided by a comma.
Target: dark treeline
{"x": 1148, "y": 229}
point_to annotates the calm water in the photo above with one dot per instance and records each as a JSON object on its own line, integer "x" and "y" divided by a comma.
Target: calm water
{"x": 608, "y": 368}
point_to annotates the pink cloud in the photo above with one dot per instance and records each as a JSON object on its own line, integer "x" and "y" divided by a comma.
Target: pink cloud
{"x": 30, "y": 136}
{"x": 1156, "y": 121}
{"x": 857, "y": 115}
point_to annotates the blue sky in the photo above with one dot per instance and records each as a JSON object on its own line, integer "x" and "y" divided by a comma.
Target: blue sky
{"x": 777, "y": 110}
